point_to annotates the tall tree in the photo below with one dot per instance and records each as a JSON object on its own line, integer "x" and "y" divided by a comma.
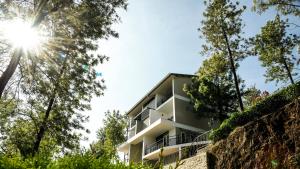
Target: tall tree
{"x": 274, "y": 48}
{"x": 222, "y": 29}
{"x": 286, "y": 7}
{"x": 15, "y": 9}
{"x": 59, "y": 82}
{"x": 85, "y": 20}
{"x": 110, "y": 135}
{"x": 212, "y": 91}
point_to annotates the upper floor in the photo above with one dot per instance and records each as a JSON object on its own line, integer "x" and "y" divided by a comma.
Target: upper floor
{"x": 166, "y": 101}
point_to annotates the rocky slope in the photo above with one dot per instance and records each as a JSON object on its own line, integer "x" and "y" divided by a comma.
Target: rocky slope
{"x": 273, "y": 141}
{"x": 196, "y": 162}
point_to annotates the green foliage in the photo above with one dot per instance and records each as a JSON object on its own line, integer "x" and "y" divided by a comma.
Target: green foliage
{"x": 18, "y": 162}
{"x": 110, "y": 135}
{"x": 222, "y": 30}
{"x": 274, "y": 48}
{"x": 253, "y": 95}
{"x": 54, "y": 85}
{"x": 212, "y": 91}
{"x": 71, "y": 161}
{"x": 160, "y": 163}
{"x": 266, "y": 106}
{"x": 223, "y": 17}
{"x": 286, "y": 7}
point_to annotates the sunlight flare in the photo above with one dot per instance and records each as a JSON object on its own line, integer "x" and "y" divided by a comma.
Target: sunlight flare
{"x": 20, "y": 34}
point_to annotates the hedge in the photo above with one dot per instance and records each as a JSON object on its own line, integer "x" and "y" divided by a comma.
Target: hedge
{"x": 270, "y": 104}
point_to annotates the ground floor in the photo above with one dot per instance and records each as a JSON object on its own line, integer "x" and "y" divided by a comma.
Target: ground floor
{"x": 173, "y": 144}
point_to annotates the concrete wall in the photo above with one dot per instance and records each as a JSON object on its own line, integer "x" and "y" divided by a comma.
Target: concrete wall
{"x": 179, "y": 84}
{"x": 185, "y": 115}
{"x": 135, "y": 153}
{"x": 172, "y": 132}
{"x": 154, "y": 115}
{"x": 167, "y": 115}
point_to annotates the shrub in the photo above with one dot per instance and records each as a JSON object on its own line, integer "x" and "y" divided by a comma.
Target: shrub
{"x": 71, "y": 161}
{"x": 271, "y": 104}
{"x": 89, "y": 161}
{"x": 17, "y": 162}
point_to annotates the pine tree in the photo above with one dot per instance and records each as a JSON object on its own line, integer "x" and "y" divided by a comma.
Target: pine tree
{"x": 222, "y": 29}
{"x": 274, "y": 48}
{"x": 212, "y": 91}
{"x": 286, "y": 7}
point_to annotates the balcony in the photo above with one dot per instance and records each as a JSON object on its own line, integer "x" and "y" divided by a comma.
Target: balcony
{"x": 148, "y": 116}
{"x": 170, "y": 141}
{"x": 164, "y": 99}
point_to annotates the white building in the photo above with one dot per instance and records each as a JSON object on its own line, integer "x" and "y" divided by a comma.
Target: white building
{"x": 163, "y": 118}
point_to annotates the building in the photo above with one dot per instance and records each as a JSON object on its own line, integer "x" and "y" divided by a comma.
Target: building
{"x": 164, "y": 118}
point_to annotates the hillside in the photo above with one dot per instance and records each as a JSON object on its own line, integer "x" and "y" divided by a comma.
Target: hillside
{"x": 272, "y": 141}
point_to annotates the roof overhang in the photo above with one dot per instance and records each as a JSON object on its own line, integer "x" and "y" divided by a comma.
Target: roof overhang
{"x": 170, "y": 75}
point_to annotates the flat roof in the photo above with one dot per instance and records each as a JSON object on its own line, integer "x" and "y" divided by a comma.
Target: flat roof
{"x": 156, "y": 86}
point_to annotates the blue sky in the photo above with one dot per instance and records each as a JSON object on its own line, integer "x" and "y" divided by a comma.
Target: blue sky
{"x": 158, "y": 37}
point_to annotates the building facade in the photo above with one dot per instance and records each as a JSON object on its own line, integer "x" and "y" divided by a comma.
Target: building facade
{"x": 164, "y": 118}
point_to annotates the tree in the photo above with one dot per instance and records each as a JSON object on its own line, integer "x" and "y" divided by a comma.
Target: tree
{"x": 86, "y": 21}
{"x": 253, "y": 95}
{"x": 110, "y": 135}
{"x": 275, "y": 48}
{"x": 286, "y": 7}
{"x": 56, "y": 87}
{"x": 222, "y": 26}
{"x": 212, "y": 91}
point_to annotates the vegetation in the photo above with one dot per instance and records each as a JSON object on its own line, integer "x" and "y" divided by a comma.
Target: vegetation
{"x": 212, "y": 91}
{"x": 286, "y": 7}
{"x": 54, "y": 85}
{"x": 222, "y": 29}
{"x": 253, "y": 95}
{"x": 71, "y": 161}
{"x": 270, "y": 104}
{"x": 44, "y": 91}
{"x": 274, "y": 48}
{"x": 110, "y": 135}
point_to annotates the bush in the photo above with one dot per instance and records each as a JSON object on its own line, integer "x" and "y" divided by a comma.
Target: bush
{"x": 17, "y": 162}
{"x": 72, "y": 161}
{"x": 270, "y": 104}
{"x": 89, "y": 161}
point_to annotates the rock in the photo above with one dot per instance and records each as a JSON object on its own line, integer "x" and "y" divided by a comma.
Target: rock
{"x": 273, "y": 141}
{"x": 196, "y": 162}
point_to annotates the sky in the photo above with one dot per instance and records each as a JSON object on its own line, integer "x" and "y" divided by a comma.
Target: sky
{"x": 157, "y": 37}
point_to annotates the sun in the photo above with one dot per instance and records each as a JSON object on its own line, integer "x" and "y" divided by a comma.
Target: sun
{"x": 21, "y": 34}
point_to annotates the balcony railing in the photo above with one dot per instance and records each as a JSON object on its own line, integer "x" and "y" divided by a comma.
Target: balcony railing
{"x": 145, "y": 114}
{"x": 167, "y": 97}
{"x": 170, "y": 141}
{"x": 133, "y": 122}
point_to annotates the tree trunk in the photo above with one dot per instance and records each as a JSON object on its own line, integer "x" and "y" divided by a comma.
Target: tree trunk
{"x": 7, "y": 74}
{"x": 287, "y": 68}
{"x": 233, "y": 71}
{"x": 11, "y": 68}
{"x": 288, "y": 71}
{"x": 43, "y": 126}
